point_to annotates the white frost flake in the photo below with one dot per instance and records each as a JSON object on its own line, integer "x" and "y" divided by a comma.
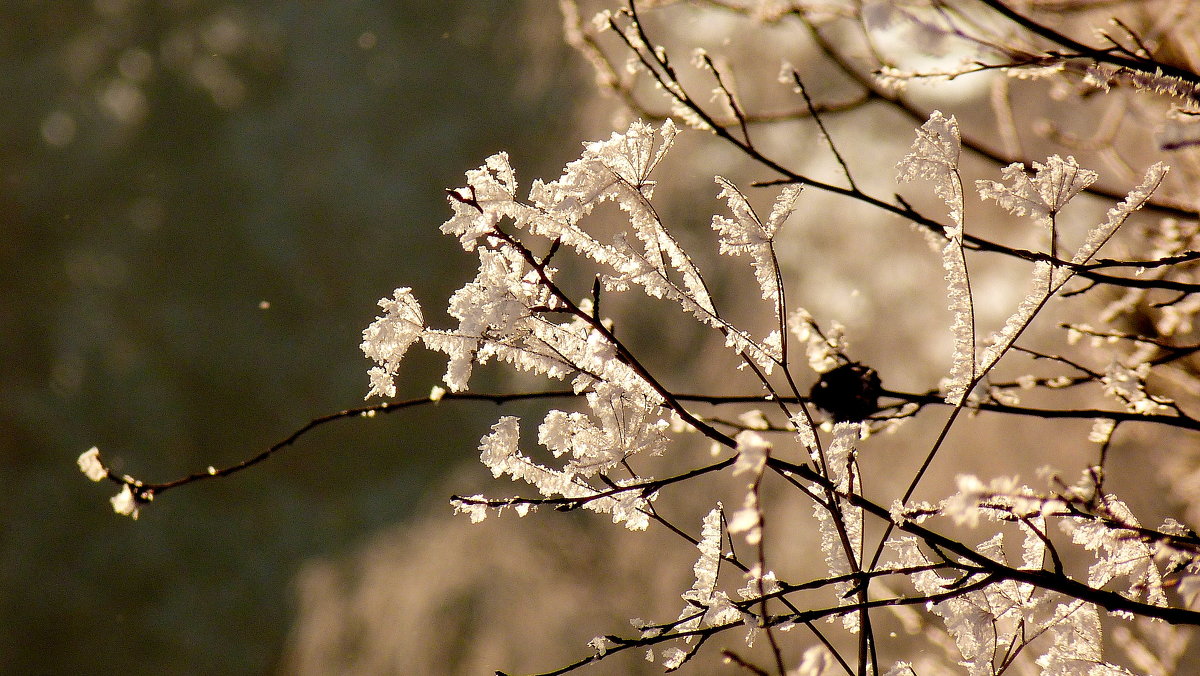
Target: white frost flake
{"x": 1053, "y": 185}
{"x": 934, "y": 156}
{"x": 124, "y": 503}
{"x": 91, "y": 466}
{"x": 752, "y": 449}
{"x": 672, "y": 658}
{"x": 389, "y": 337}
{"x": 747, "y": 234}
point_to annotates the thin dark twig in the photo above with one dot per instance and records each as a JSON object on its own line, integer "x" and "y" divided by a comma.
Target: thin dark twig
{"x": 1049, "y": 580}
{"x": 812, "y": 110}
{"x": 1144, "y": 65}
{"x": 733, "y": 658}
{"x": 730, "y": 99}
{"x": 919, "y": 116}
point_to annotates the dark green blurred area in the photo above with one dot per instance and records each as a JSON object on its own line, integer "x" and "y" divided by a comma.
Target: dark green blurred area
{"x": 166, "y": 168}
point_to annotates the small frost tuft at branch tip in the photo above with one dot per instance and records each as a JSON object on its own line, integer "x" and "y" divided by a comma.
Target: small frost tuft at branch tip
{"x": 126, "y": 503}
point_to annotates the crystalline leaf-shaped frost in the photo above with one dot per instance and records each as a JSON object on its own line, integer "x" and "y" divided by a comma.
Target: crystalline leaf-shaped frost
{"x": 618, "y": 170}
{"x": 822, "y": 349}
{"x": 499, "y": 447}
{"x": 632, "y": 156}
{"x": 962, "y": 368}
{"x": 1076, "y": 647}
{"x": 717, "y": 608}
{"x": 495, "y": 321}
{"x": 614, "y": 170}
{"x": 476, "y": 511}
{"x": 600, "y": 644}
{"x": 625, "y": 159}
{"x": 1053, "y": 185}
{"x": 1102, "y": 430}
{"x": 1117, "y": 215}
{"x": 1129, "y": 387}
{"x": 673, "y": 658}
{"x": 934, "y": 156}
{"x": 489, "y": 196}
{"x": 389, "y": 337}
{"x": 500, "y": 453}
{"x": 838, "y": 560}
{"x": 562, "y": 432}
{"x": 707, "y": 565}
{"x": 746, "y": 234}
{"x": 841, "y": 453}
{"x": 1119, "y": 552}
{"x": 629, "y": 424}
{"x": 627, "y": 508}
{"x": 1033, "y": 551}
{"x": 1047, "y": 280}
{"x": 1061, "y": 184}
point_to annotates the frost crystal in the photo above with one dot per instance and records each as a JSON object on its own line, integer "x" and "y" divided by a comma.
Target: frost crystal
{"x": 1076, "y": 646}
{"x": 501, "y": 454}
{"x": 389, "y": 337}
{"x": 1120, "y": 553}
{"x": 476, "y": 511}
{"x": 716, "y": 607}
{"x": 753, "y": 450}
{"x": 747, "y": 520}
{"x": 600, "y": 644}
{"x": 747, "y": 234}
{"x": 90, "y": 465}
{"x": 125, "y": 503}
{"x": 628, "y": 424}
{"x": 673, "y": 658}
{"x": 647, "y": 256}
{"x": 500, "y": 447}
{"x": 710, "y": 552}
{"x": 934, "y": 156}
{"x": 1117, "y": 215}
{"x": 962, "y": 369}
{"x": 841, "y": 555}
{"x": 1053, "y": 185}
{"x": 1129, "y": 387}
{"x": 823, "y": 349}
{"x": 1102, "y": 429}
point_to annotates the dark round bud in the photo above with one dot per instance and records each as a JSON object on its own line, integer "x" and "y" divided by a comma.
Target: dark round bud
{"x": 848, "y": 393}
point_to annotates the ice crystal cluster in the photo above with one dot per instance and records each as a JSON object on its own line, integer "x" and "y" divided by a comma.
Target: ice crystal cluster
{"x": 984, "y": 575}
{"x": 516, "y": 311}
{"x": 513, "y": 311}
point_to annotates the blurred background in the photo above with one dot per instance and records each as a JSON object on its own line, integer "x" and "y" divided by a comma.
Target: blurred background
{"x": 200, "y": 203}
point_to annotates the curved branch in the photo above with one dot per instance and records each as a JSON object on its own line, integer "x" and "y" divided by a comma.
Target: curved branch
{"x": 1144, "y": 65}
{"x": 1044, "y": 579}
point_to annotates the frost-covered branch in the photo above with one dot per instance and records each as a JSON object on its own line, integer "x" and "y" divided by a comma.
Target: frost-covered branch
{"x": 778, "y": 449}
